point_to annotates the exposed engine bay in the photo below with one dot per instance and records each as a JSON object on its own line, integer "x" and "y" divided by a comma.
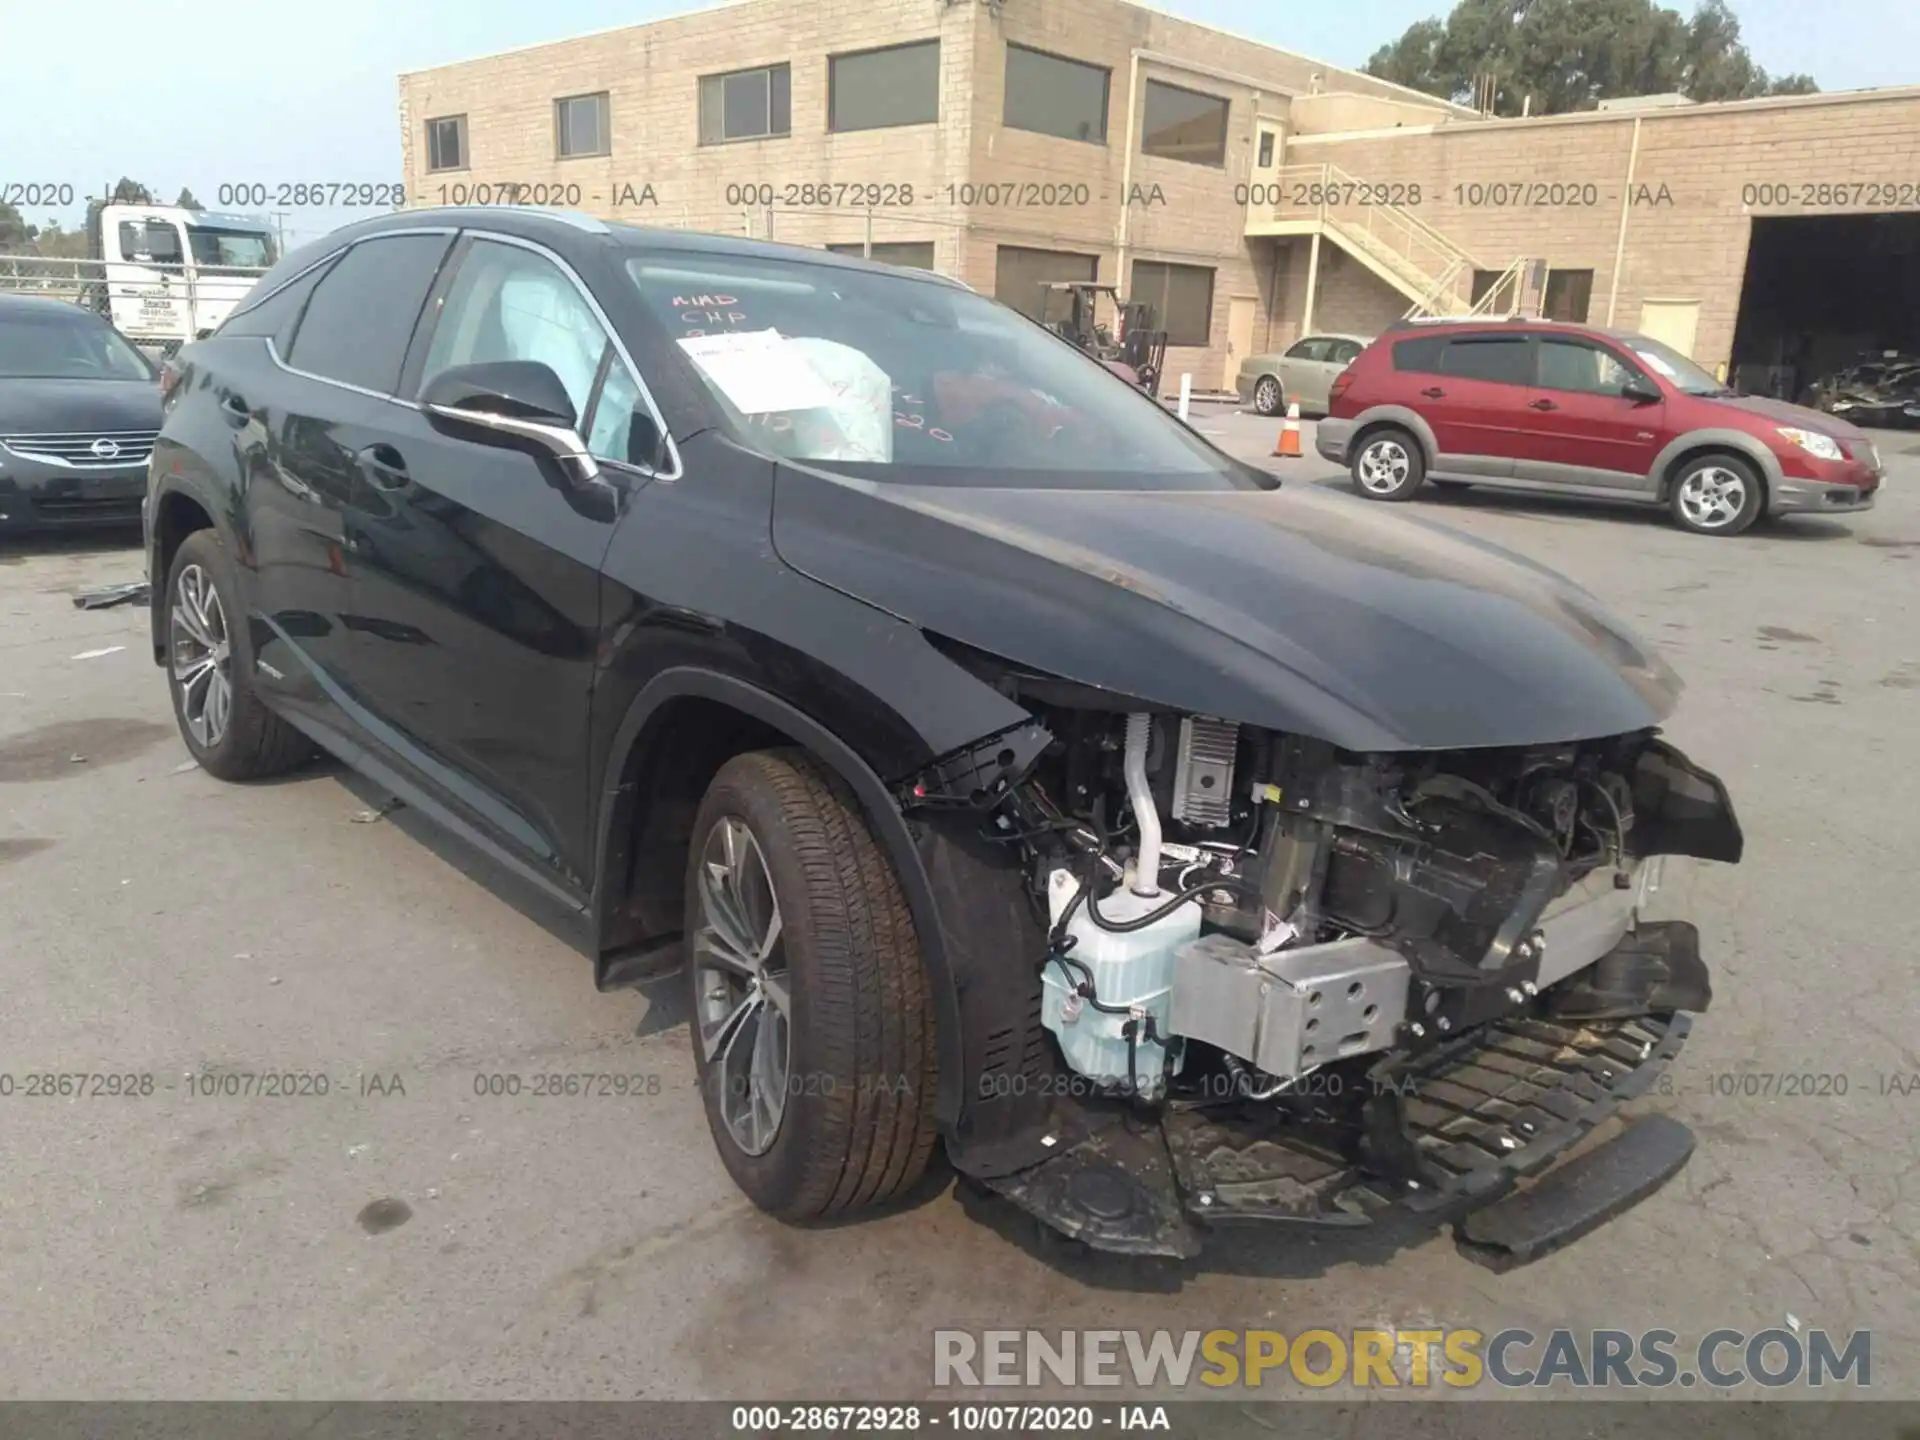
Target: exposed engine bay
{"x": 1255, "y": 930}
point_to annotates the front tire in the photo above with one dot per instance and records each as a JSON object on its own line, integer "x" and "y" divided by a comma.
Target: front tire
{"x": 1388, "y": 465}
{"x": 1267, "y": 396}
{"x": 226, "y": 726}
{"x": 811, "y": 1023}
{"x": 1716, "y": 495}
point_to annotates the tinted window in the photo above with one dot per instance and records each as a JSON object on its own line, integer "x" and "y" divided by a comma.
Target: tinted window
{"x": 357, "y": 324}
{"x": 1499, "y": 358}
{"x": 1420, "y": 354}
{"x": 581, "y": 126}
{"x": 1181, "y": 297}
{"x": 65, "y": 343}
{"x": 276, "y": 315}
{"x": 1308, "y": 350}
{"x": 512, "y": 304}
{"x": 914, "y": 254}
{"x": 897, "y": 86}
{"x": 1053, "y": 96}
{"x": 746, "y": 104}
{"x": 1569, "y": 365}
{"x": 1184, "y": 125}
{"x": 892, "y": 376}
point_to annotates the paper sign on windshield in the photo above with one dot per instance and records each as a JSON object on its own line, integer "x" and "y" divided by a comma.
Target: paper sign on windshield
{"x": 758, "y": 371}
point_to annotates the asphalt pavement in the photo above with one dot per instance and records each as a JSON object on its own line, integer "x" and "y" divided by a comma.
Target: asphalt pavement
{"x": 385, "y": 1220}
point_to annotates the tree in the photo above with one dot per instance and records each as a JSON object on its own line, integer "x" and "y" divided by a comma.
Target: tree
{"x": 186, "y": 201}
{"x": 16, "y": 235}
{"x": 1553, "y": 56}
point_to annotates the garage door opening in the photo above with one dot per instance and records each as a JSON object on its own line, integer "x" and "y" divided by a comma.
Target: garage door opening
{"x": 1823, "y": 292}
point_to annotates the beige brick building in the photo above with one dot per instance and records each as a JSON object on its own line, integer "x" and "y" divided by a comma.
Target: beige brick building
{"x": 1249, "y": 193}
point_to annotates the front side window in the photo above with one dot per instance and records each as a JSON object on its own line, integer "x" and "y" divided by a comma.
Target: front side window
{"x": 746, "y": 105}
{"x": 1184, "y": 125}
{"x": 360, "y": 317}
{"x": 1501, "y": 359}
{"x": 447, "y": 143}
{"x": 51, "y": 344}
{"x": 239, "y": 249}
{"x": 1570, "y": 365}
{"x": 155, "y": 240}
{"x": 581, "y": 126}
{"x": 1054, "y": 96}
{"x": 892, "y": 377}
{"x": 879, "y": 88}
{"x": 1675, "y": 368}
{"x": 1315, "y": 349}
{"x": 1181, "y": 297}
{"x": 508, "y": 303}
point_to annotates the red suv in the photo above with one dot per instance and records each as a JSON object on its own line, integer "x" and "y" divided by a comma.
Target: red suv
{"x": 1541, "y": 405}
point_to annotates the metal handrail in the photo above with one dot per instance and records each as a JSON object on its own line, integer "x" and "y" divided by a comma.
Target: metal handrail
{"x": 1429, "y": 257}
{"x": 96, "y": 284}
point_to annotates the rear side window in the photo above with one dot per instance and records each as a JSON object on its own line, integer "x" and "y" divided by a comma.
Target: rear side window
{"x": 275, "y": 316}
{"x": 361, "y": 315}
{"x": 1420, "y": 354}
{"x": 1501, "y": 359}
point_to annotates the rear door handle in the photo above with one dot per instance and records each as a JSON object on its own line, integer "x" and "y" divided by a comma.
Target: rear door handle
{"x": 1541, "y": 405}
{"x": 1433, "y": 392}
{"x": 384, "y": 467}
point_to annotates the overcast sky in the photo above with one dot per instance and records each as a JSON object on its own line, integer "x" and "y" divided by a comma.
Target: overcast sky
{"x": 181, "y": 92}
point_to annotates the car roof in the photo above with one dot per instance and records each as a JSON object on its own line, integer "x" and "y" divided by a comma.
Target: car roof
{"x": 537, "y": 223}
{"x": 42, "y": 305}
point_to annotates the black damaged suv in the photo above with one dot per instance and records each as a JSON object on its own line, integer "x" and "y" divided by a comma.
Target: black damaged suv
{"x": 1002, "y": 763}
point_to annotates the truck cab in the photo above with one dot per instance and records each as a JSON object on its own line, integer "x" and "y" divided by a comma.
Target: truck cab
{"x": 172, "y": 274}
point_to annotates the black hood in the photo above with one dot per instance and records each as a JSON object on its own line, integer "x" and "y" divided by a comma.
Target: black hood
{"x": 40, "y": 407}
{"x": 1295, "y": 609}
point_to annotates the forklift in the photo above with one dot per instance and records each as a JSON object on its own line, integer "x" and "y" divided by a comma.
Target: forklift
{"x": 1128, "y": 345}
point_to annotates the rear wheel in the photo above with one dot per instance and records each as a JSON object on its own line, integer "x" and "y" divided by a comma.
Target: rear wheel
{"x": 1267, "y": 398}
{"x": 811, "y": 1023}
{"x": 210, "y": 670}
{"x": 1387, "y": 465}
{"x": 1716, "y": 495}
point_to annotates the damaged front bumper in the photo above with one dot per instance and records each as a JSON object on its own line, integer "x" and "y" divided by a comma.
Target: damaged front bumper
{"x": 1441, "y": 1132}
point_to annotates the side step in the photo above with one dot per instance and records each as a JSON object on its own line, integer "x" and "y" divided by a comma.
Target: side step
{"x": 1577, "y": 1197}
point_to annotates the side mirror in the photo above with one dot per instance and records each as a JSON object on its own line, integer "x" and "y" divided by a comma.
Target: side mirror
{"x": 1641, "y": 391}
{"x": 518, "y": 403}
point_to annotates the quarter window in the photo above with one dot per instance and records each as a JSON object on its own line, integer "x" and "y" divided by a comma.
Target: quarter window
{"x": 581, "y": 126}
{"x": 1501, "y": 359}
{"x": 508, "y": 303}
{"x": 878, "y": 88}
{"x": 361, "y": 315}
{"x": 1053, "y": 96}
{"x": 447, "y": 143}
{"x": 746, "y": 104}
{"x": 1181, "y": 297}
{"x": 1184, "y": 125}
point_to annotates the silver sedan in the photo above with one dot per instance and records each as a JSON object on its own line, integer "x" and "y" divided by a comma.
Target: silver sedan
{"x": 1300, "y": 374}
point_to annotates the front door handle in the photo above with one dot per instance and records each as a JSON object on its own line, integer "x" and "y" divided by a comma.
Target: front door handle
{"x": 1433, "y": 392}
{"x": 384, "y": 467}
{"x": 1541, "y": 405}
{"x": 235, "y": 409}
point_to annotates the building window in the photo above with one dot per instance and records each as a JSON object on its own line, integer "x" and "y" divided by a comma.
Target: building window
{"x": 1052, "y": 96}
{"x": 1265, "y": 162}
{"x": 914, "y": 254}
{"x": 447, "y": 143}
{"x": 746, "y": 104}
{"x": 1020, "y": 276}
{"x": 1568, "y": 294}
{"x": 878, "y": 88}
{"x": 1181, "y": 297}
{"x": 1184, "y": 125}
{"x": 580, "y": 126}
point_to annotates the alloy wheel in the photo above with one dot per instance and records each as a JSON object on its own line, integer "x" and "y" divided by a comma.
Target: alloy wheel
{"x": 1384, "y": 466}
{"x": 741, "y": 984}
{"x": 202, "y": 656}
{"x": 1266, "y": 395}
{"x": 1712, "y": 497}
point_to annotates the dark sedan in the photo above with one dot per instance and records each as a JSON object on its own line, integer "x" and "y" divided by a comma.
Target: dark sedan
{"x": 79, "y": 410}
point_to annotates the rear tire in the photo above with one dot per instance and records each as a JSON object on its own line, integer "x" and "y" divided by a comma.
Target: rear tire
{"x": 226, "y": 726}
{"x": 802, "y": 950}
{"x": 1268, "y": 398}
{"x": 1388, "y": 465}
{"x": 1716, "y": 495}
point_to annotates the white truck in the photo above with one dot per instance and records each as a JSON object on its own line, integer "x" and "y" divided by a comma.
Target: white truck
{"x": 163, "y": 275}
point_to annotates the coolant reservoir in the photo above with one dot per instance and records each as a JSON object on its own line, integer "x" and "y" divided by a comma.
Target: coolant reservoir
{"x": 1132, "y": 970}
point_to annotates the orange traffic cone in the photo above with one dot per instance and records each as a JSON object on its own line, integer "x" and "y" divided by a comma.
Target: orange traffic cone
{"x": 1288, "y": 445}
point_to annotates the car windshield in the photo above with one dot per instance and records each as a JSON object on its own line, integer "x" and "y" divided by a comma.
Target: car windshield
{"x": 52, "y": 344}
{"x": 1674, "y": 367}
{"x": 247, "y": 248}
{"x": 886, "y": 376}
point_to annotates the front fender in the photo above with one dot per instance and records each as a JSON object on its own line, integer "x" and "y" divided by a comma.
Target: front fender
{"x": 1737, "y": 441}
